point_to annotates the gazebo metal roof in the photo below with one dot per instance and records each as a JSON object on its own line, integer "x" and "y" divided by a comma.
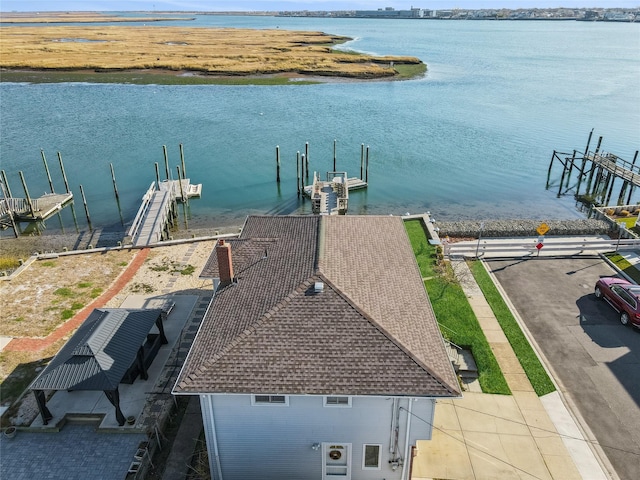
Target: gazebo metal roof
{"x": 99, "y": 354}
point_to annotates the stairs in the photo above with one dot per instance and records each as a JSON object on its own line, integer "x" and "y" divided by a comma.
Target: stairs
{"x": 464, "y": 366}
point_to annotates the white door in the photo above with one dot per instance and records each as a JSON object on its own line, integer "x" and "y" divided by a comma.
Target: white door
{"x": 336, "y": 461}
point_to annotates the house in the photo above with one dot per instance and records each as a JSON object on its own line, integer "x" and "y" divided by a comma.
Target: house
{"x": 319, "y": 355}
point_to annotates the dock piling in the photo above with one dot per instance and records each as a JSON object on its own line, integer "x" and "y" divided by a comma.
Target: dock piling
{"x": 306, "y": 156}
{"x": 113, "y": 179}
{"x": 166, "y": 160}
{"x": 298, "y": 172}
{"x": 586, "y": 150}
{"x": 64, "y": 174}
{"x": 86, "y": 208}
{"x": 26, "y": 194}
{"x": 184, "y": 170}
{"x": 6, "y": 184}
{"x": 182, "y": 195}
{"x": 157, "y": 176}
{"x": 46, "y": 169}
{"x": 278, "y": 163}
{"x": 361, "y": 159}
{"x": 334, "y": 154}
{"x": 366, "y": 177}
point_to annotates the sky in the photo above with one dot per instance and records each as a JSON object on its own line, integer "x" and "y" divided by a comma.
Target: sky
{"x": 278, "y": 5}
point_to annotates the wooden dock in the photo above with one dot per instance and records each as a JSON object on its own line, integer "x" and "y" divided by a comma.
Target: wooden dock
{"x": 151, "y": 223}
{"x": 331, "y": 196}
{"x": 181, "y": 190}
{"x": 35, "y": 209}
{"x": 597, "y": 174}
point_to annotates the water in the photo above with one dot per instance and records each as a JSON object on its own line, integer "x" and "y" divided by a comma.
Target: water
{"x": 472, "y": 139}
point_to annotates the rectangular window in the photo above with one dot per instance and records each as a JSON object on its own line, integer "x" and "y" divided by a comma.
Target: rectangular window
{"x": 337, "y": 401}
{"x": 269, "y": 400}
{"x": 371, "y": 457}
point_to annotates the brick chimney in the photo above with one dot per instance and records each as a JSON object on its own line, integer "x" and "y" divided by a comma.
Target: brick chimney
{"x": 225, "y": 265}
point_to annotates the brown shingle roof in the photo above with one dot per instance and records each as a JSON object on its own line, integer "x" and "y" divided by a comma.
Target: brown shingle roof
{"x": 370, "y": 332}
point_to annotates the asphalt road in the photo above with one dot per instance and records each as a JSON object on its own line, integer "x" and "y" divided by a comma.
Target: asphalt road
{"x": 593, "y": 356}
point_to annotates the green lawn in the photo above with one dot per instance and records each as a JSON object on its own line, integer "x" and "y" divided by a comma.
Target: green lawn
{"x": 536, "y": 373}
{"x": 457, "y": 321}
{"x": 624, "y": 266}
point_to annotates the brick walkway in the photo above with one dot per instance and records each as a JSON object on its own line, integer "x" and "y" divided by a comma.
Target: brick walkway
{"x": 34, "y": 344}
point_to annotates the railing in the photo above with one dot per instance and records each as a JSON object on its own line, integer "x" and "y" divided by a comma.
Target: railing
{"x": 139, "y": 219}
{"x": 491, "y": 247}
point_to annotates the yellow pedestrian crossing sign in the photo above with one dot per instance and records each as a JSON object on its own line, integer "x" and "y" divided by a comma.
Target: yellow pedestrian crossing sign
{"x": 542, "y": 228}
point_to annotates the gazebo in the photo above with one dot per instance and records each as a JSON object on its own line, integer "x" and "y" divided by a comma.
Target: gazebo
{"x": 112, "y": 346}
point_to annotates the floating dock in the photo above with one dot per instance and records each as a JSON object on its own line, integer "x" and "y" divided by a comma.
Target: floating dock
{"x": 331, "y": 196}
{"x": 181, "y": 190}
{"x": 34, "y": 209}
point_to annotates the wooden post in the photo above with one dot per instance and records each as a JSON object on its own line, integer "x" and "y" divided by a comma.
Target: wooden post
{"x": 113, "y": 179}
{"x": 26, "y": 193}
{"x": 613, "y": 181}
{"x": 549, "y": 171}
{"x": 278, "y": 163}
{"x": 306, "y": 156}
{"x": 306, "y": 167}
{"x": 361, "y": 158}
{"x": 184, "y": 170}
{"x": 573, "y": 157}
{"x": 633, "y": 163}
{"x": 7, "y": 194}
{"x": 157, "y": 176}
{"x": 86, "y": 209}
{"x": 6, "y": 184}
{"x": 598, "y": 146}
{"x": 64, "y": 175}
{"x": 581, "y": 175}
{"x": 623, "y": 191}
{"x": 46, "y": 169}
{"x": 334, "y": 154}
{"x": 166, "y": 161}
{"x": 366, "y": 178}
{"x": 184, "y": 199}
{"x": 564, "y": 171}
{"x": 298, "y": 172}
{"x": 586, "y": 150}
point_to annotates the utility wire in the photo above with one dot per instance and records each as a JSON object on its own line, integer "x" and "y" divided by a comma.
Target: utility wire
{"x": 464, "y": 442}
{"x": 550, "y": 431}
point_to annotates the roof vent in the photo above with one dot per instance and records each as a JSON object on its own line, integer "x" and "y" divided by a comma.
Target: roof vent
{"x": 318, "y": 287}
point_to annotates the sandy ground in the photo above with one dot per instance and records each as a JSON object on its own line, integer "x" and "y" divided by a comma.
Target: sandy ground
{"x": 31, "y": 303}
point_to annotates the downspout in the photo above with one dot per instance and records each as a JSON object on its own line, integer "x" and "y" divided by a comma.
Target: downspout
{"x": 406, "y": 441}
{"x": 214, "y": 439}
{"x": 393, "y": 424}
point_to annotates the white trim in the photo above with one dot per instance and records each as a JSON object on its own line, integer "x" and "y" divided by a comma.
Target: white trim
{"x": 336, "y": 405}
{"x": 256, "y": 403}
{"x": 364, "y": 456}
{"x": 347, "y": 466}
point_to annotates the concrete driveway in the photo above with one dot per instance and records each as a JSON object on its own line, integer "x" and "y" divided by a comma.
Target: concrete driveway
{"x": 595, "y": 359}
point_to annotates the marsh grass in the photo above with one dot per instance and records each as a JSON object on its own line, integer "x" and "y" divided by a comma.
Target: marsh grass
{"x": 209, "y": 51}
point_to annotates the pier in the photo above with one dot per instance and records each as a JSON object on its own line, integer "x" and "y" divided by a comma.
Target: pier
{"x": 331, "y": 196}
{"x": 596, "y": 174}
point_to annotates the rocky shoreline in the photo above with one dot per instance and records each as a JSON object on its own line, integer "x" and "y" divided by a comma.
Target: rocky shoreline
{"x": 522, "y": 228}
{"x": 26, "y": 246}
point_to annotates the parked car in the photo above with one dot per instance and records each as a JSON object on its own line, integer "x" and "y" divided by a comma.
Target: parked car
{"x": 623, "y": 296}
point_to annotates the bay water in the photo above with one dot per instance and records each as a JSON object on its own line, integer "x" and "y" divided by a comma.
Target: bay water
{"x": 472, "y": 139}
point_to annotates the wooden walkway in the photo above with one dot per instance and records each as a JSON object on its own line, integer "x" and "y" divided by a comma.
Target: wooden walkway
{"x": 330, "y": 197}
{"x": 157, "y": 211}
{"x": 617, "y": 166}
{"x": 150, "y": 223}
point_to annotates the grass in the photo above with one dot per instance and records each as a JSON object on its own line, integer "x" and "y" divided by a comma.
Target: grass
{"x": 122, "y": 50}
{"x": 534, "y": 370}
{"x": 9, "y": 263}
{"x": 624, "y": 266}
{"x": 457, "y": 321}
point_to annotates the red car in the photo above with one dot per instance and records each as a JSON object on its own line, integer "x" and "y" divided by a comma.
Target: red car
{"x": 623, "y": 296}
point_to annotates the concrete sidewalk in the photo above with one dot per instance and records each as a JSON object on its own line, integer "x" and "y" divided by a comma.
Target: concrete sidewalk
{"x": 483, "y": 436}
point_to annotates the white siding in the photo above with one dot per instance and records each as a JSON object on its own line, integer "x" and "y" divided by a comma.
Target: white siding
{"x": 274, "y": 442}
